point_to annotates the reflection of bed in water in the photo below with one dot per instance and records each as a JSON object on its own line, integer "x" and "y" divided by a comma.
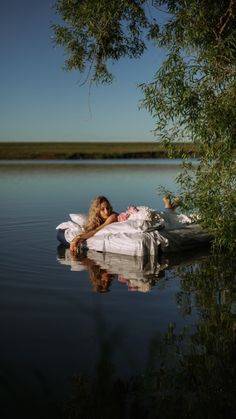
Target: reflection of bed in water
{"x": 139, "y": 273}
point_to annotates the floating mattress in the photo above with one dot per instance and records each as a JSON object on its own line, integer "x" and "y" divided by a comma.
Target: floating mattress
{"x": 140, "y": 237}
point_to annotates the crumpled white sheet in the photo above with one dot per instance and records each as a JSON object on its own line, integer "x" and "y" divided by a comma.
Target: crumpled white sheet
{"x": 74, "y": 227}
{"x": 71, "y": 230}
{"x": 131, "y": 237}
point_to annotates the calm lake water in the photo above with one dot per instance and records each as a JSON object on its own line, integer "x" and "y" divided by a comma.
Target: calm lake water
{"x": 164, "y": 329}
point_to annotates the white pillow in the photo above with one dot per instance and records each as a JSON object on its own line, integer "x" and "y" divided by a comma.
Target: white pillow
{"x": 79, "y": 219}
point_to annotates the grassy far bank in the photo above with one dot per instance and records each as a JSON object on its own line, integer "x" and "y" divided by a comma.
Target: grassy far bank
{"x": 53, "y": 150}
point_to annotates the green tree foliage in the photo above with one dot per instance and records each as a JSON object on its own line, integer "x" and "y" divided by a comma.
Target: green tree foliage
{"x": 193, "y": 97}
{"x": 95, "y": 31}
{"x": 193, "y": 94}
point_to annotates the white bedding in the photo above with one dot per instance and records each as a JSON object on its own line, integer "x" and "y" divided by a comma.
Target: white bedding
{"x": 140, "y": 237}
{"x": 135, "y": 238}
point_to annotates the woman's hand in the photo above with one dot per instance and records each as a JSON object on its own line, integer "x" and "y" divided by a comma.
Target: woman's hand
{"x": 87, "y": 234}
{"x": 75, "y": 243}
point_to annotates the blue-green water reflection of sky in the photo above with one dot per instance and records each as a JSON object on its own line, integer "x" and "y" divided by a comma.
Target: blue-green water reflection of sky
{"x": 63, "y": 189}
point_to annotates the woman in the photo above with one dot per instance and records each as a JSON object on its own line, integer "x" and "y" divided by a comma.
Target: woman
{"x": 100, "y": 215}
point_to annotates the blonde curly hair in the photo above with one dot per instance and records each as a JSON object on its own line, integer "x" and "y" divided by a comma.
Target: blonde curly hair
{"x": 94, "y": 218}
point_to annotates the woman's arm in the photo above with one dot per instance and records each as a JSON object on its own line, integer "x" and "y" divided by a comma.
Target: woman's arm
{"x": 111, "y": 219}
{"x": 84, "y": 236}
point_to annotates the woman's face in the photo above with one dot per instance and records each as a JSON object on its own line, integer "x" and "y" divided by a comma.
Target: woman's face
{"x": 104, "y": 210}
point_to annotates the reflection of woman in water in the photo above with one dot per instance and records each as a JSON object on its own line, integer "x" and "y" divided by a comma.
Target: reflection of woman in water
{"x": 99, "y": 277}
{"x": 100, "y": 215}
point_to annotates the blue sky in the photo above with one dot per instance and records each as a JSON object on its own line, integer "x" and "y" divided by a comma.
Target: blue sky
{"x": 39, "y": 101}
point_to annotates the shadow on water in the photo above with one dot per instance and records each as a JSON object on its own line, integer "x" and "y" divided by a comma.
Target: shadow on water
{"x": 187, "y": 375}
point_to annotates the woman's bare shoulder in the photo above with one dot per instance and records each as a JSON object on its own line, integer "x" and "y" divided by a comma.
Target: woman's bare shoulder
{"x": 113, "y": 217}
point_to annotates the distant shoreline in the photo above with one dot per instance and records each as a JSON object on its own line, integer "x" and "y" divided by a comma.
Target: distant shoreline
{"x": 95, "y": 151}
